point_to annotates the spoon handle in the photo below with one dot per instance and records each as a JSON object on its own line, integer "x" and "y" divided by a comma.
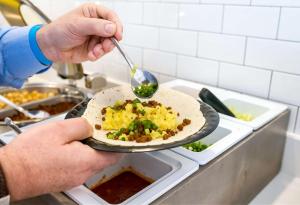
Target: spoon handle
{"x": 12, "y": 125}
{"x": 13, "y": 105}
{"x": 128, "y": 60}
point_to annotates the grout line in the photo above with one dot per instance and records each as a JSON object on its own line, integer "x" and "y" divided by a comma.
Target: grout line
{"x": 223, "y": 19}
{"x": 178, "y": 16}
{"x": 159, "y": 37}
{"x": 212, "y": 32}
{"x": 245, "y": 51}
{"x": 229, "y": 4}
{"x": 143, "y": 50}
{"x": 270, "y": 84}
{"x": 216, "y": 60}
{"x": 218, "y": 74}
{"x": 143, "y": 12}
{"x": 296, "y": 119}
{"x": 197, "y": 44}
{"x": 176, "y": 67}
{"x": 278, "y": 24}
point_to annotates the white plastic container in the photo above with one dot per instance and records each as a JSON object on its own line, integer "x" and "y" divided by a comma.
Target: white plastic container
{"x": 165, "y": 167}
{"x": 225, "y": 136}
{"x": 262, "y": 110}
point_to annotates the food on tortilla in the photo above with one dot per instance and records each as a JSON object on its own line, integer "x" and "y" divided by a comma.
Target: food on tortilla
{"x": 187, "y": 106}
{"x": 138, "y": 121}
{"x": 145, "y": 90}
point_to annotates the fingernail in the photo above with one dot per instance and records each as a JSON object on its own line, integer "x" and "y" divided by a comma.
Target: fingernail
{"x": 110, "y": 28}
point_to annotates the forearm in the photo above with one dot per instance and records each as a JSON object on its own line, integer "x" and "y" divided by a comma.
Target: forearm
{"x": 18, "y": 60}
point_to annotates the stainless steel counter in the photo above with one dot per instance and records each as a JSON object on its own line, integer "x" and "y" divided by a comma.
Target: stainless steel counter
{"x": 235, "y": 177}
{"x": 239, "y": 174}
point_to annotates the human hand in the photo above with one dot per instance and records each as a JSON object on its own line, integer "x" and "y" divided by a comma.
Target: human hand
{"x": 49, "y": 158}
{"x": 80, "y": 35}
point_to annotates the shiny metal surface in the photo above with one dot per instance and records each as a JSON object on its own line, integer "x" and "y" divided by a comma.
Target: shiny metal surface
{"x": 69, "y": 71}
{"x": 37, "y": 114}
{"x": 95, "y": 81}
{"x": 12, "y": 125}
{"x": 65, "y": 94}
{"x": 139, "y": 76}
{"x": 11, "y": 10}
{"x": 235, "y": 177}
{"x": 239, "y": 174}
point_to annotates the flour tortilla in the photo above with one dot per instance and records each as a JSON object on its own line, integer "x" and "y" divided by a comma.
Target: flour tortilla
{"x": 186, "y": 105}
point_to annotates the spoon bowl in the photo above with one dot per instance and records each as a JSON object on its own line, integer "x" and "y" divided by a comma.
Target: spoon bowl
{"x": 38, "y": 114}
{"x": 143, "y": 83}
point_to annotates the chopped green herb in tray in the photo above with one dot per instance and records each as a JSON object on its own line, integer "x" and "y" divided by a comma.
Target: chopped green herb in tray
{"x": 146, "y": 90}
{"x": 196, "y": 146}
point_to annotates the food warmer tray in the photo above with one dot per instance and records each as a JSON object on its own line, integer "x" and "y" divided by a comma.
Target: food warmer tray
{"x": 65, "y": 93}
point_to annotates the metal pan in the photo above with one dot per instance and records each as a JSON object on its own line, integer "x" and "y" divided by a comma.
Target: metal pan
{"x": 64, "y": 94}
{"x": 212, "y": 121}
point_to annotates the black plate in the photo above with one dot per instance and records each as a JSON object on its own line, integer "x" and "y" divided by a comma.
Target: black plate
{"x": 212, "y": 121}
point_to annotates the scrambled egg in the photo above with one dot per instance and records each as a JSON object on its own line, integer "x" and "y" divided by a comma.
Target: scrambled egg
{"x": 117, "y": 119}
{"x": 241, "y": 116}
{"x": 164, "y": 118}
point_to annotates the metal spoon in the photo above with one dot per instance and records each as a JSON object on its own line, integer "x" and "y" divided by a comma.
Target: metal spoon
{"x": 139, "y": 77}
{"x": 34, "y": 114}
{"x": 12, "y": 125}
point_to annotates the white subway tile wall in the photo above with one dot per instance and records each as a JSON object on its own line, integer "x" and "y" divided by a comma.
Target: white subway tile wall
{"x": 160, "y": 62}
{"x": 251, "y": 21}
{"x": 234, "y": 2}
{"x": 178, "y": 41}
{"x": 201, "y": 17}
{"x": 245, "y": 79}
{"x": 273, "y": 54}
{"x": 161, "y": 14}
{"x": 251, "y": 46}
{"x": 135, "y": 35}
{"x": 221, "y": 47}
{"x": 196, "y": 69}
{"x": 135, "y": 9}
{"x": 285, "y": 88}
{"x": 276, "y": 2}
{"x": 289, "y": 29}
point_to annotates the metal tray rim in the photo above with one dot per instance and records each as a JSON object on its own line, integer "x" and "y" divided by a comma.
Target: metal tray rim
{"x": 62, "y": 88}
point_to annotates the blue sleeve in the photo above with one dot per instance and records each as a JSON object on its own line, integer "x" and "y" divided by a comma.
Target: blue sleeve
{"x": 17, "y": 59}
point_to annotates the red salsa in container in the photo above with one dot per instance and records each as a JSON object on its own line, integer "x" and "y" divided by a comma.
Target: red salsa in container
{"x": 121, "y": 187}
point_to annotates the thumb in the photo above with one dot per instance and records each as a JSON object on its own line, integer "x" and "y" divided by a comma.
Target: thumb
{"x": 70, "y": 130}
{"x": 96, "y": 27}
{"x": 63, "y": 132}
{"x": 75, "y": 129}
